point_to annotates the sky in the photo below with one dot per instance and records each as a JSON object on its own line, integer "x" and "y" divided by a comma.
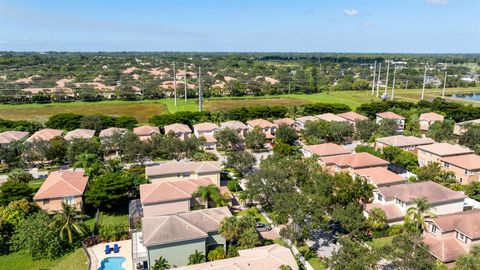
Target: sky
{"x": 390, "y": 26}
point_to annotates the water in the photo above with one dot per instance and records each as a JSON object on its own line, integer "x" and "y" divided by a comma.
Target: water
{"x": 474, "y": 96}
{"x": 112, "y": 263}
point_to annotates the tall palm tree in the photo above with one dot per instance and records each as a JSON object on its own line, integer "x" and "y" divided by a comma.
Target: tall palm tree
{"x": 196, "y": 258}
{"x": 209, "y": 192}
{"x": 89, "y": 163}
{"x": 377, "y": 219}
{"x": 67, "y": 221}
{"x": 229, "y": 228}
{"x": 161, "y": 264}
{"x": 416, "y": 215}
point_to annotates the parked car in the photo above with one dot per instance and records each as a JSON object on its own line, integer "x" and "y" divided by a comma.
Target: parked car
{"x": 261, "y": 227}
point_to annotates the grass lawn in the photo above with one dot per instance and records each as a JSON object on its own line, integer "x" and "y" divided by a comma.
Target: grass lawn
{"x": 107, "y": 219}
{"x": 255, "y": 212}
{"x": 317, "y": 263}
{"x": 72, "y": 261}
{"x": 380, "y": 242}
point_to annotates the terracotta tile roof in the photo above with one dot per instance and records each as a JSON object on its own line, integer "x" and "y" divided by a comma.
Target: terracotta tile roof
{"x": 235, "y": 125}
{"x": 445, "y": 149}
{"x": 159, "y": 230}
{"x": 330, "y": 117}
{"x": 210, "y": 138}
{"x": 79, "y": 134}
{"x": 433, "y": 192}
{"x": 389, "y": 115}
{"x": 146, "y": 130}
{"x": 304, "y": 119}
{"x": 268, "y": 135}
{"x": 105, "y": 133}
{"x": 61, "y": 184}
{"x": 381, "y": 176}
{"x": 173, "y": 167}
{"x": 467, "y": 222}
{"x": 170, "y": 191}
{"x": 391, "y": 210}
{"x": 11, "y": 136}
{"x": 327, "y": 149}
{"x": 353, "y": 116}
{"x": 269, "y": 257}
{"x": 446, "y": 249}
{"x": 356, "y": 160}
{"x": 431, "y": 116}
{"x": 177, "y": 128}
{"x": 46, "y": 134}
{"x": 205, "y": 127}
{"x": 260, "y": 122}
{"x": 404, "y": 141}
{"x": 469, "y": 161}
{"x": 285, "y": 121}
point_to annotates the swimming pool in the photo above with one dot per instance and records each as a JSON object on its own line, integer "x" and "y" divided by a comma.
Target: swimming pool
{"x": 112, "y": 263}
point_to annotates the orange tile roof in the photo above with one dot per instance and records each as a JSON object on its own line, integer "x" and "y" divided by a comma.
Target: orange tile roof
{"x": 46, "y": 134}
{"x": 61, "y": 184}
{"x": 11, "y": 136}
{"x": 381, "y": 176}
{"x": 146, "y": 130}
{"x": 356, "y": 160}
{"x": 177, "y": 128}
{"x": 173, "y": 167}
{"x": 431, "y": 116}
{"x": 390, "y": 115}
{"x": 467, "y": 222}
{"x": 433, "y": 192}
{"x": 445, "y": 149}
{"x": 171, "y": 191}
{"x": 304, "y": 119}
{"x": 353, "y": 116}
{"x": 79, "y": 134}
{"x": 469, "y": 161}
{"x": 261, "y": 123}
{"x": 327, "y": 149}
{"x": 446, "y": 249}
{"x": 404, "y": 141}
{"x": 235, "y": 125}
{"x": 110, "y": 131}
{"x": 391, "y": 210}
{"x": 330, "y": 117}
{"x": 205, "y": 127}
{"x": 285, "y": 121}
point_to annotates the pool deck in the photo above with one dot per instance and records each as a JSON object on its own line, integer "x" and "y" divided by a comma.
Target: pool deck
{"x": 97, "y": 254}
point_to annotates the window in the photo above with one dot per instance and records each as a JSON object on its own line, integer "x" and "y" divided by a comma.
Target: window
{"x": 399, "y": 202}
{"x": 433, "y": 229}
{"x": 70, "y": 200}
{"x": 445, "y": 164}
{"x": 46, "y": 201}
{"x": 185, "y": 174}
{"x": 379, "y": 197}
{"x": 461, "y": 237}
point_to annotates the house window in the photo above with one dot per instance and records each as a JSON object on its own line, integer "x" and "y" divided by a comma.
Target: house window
{"x": 70, "y": 200}
{"x": 433, "y": 229}
{"x": 461, "y": 237}
{"x": 185, "y": 174}
{"x": 445, "y": 164}
{"x": 46, "y": 201}
{"x": 399, "y": 202}
{"x": 379, "y": 197}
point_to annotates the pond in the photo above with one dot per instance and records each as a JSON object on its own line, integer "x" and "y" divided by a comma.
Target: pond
{"x": 473, "y": 96}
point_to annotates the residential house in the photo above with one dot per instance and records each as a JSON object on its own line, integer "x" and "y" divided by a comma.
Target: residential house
{"x": 79, "y": 133}
{"x": 283, "y": 121}
{"x": 266, "y": 126}
{"x": 207, "y": 131}
{"x": 351, "y": 162}
{"x": 462, "y": 127}
{"x": 450, "y": 236}
{"x": 465, "y": 167}
{"x": 380, "y": 177}
{"x": 176, "y": 237}
{"x": 237, "y": 126}
{"x": 46, "y": 134}
{"x": 352, "y": 117}
{"x": 431, "y": 153}
{"x": 330, "y": 117}
{"x": 61, "y": 186}
{"x": 109, "y": 132}
{"x": 113, "y": 151}
{"x": 181, "y": 131}
{"x": 270, "y": 257}
{"x": 301, "y": 121}
{"x": 324, "y": 150}
{"x": 408, "y": 143}
{"x": 8, "y": 137}
{"x": 397, "y": 199}
{"x": 400, "y": 120}
{"x": 426, "y": 119}
{"x": 180, "y": 170}
{"x": 146, "y": 133}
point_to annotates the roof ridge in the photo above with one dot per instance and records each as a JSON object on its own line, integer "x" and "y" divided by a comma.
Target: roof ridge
{"x": 62, "y": 179}
{"x": 188, "y": 222}
{"x": 158, "y": 228}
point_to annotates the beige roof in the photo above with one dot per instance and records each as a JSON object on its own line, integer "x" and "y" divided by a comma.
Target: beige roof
{"x": 330, "y": 117}
{"x": 205, "y": 127}
{"x": 146, "y": 130}
{"x": 469, "y": 161}
{"x": 356, "y": 160}
{"x": 381, "y": 176}
{"x": 261, "y": 123}
{"x": 327, "y": 149}
{"x": 269, "y": 257}
{"x": 446, "y": 249}
{"x": 404, "y": 141}
{"x": 433, "y": 192}
{"x": 467, "y": 222}
{"x": 171, "y": 191}
{"x": 177, "y": 128}
{"x": 431, "y": 116}
{"x": 390, "y": 115}
{"x": 210, "y": 138}
{"x": 391, "y": 210}
{"x": 353, "y": 116}
{"x": 304, "y": 119}
{"x": 235, "y": 125}
{"x": 79, "y": 134}
{"x": 159, "y": 230}
{"x": 46, "y": 134}
{"x": 445, "y": 149}
{"x": 11, "y": 136}
{"x": 110, "y": 131}
{"x": 460, "y": 127}
{"x": 61, "y": 184}
{"x": 284, "y": 121}
{"x": 174, "y": 167}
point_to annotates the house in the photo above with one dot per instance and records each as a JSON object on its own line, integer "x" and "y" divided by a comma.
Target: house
{"x": 426, "y": 119}
{"x": 352, "y": 117}
{"x": 330, "y": 117}
{"x": 146, "y": 133}
{"x": 301, "y": 121}
{"x": 351, "y": 162}
{"x": 431, "y": 153}
{"x": 207, "y": 131}
{"x": 180, "y": 170}
{"x": 462, "y": 127}
{"x": 283, "y": 121}
{"x": 266, "y": 126}
{"x": 109, "y": 132}
{"x": 465, "y": 167}
{"x": 409, "y": 143}
{"x": 270, "y": 257}
{"x": 61, "y": 186}
{"x": 324, "y": 150}
{"x": 180, "y": 131}
{"x": 112, "y": 149}
{"x": 400, "y": 120}
{"x": 380, "y": 177}
{"x": 397, "y": 199}
{"x": 237, "y": 126}
{"x": 165, "y": 198}
{"x": 450, "y": 236}
{"x": 176, "y": 237}
{"x": 46, "y": 134}
{"x": 8, "y": 137}
{"x": 79, "y": 133}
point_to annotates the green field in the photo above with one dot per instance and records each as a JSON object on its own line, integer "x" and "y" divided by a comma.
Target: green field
{"x": 72, "y": 261}
{"x": 143, "y": 110}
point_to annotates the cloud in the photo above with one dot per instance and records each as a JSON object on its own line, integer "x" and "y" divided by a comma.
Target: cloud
{"x": 350, "y": 12}
{"x": 436, "y": 2}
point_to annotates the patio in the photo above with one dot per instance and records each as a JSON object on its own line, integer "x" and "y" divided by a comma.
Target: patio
{"x": 97, "y": 253}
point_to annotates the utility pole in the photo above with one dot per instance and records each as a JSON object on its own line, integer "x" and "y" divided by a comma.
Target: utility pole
{"x": 386, "y": 80}
{"x": 289, "y": 88}
{"x": 174, "y": 84}
{"x": 378, "y": 79}
{"x": 200, "y": 98}
{"x": 424, "y": 81}
{"x": 374, "y": 73}
{"x": 185, "y": 67}
{"x": 444, "y": 85}
{"x": 393, "y": 86}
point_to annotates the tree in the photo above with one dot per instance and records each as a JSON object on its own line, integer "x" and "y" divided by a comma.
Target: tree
{"x": 387, "y": 127}
{"x": 216, "y": 254}
{"x": 109, "y": 190}
{"x": 228, "y": 139}
{"x": 210, "y": 192}
{"x": 57, "y": 150}
{"x": 315, "y": 132}
{"x": 255, "y": 139}
{"x": 360, "y": 84}
{"x": 196, "y": 258}
{"x": 11, "y": 217}
{"x": 351, "y": 218}
{"x": 285, "y": 134}
{"x": 80, "y": 146}
{"x": 353, "y": 255}
{"x": 470, "y": 261}
{"x": 471, "y": 138}
{"x": 160, "y": 264}
{"x": 433, "y": 172}
{"x": 66, "y": 121}
{"x": 441, "y": 131}
{"x": 67, "y": 222}
{"x": 241, "y": 161}
{"x": 408, "y": 252}
{"x": 240, "y": 230}
{"x": 248, "y": 238}
{"x": 12, "y": 153}
{"x": 340, "y": 132}
{"x": 377, "y": 219}
{"x": 415, "y": 217}
{"x": 19, "y": 176}
{"x": 401, "y": 157}
{"x": 132, "y": 149}
{"x": 92, "y": 122}
{"x": 13, "y": 191}
{"x": 89, "y": 163}
{"x": 473, "y": 190}
{"x": 364, "y": 129}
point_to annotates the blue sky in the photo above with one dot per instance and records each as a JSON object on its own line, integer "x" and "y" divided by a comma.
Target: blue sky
{"x": 241, "y": 25}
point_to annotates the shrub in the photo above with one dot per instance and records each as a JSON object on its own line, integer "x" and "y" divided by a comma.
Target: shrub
{"x": 394, "y": 230}
{"x": 113, "y": 232}
{"x": 233, "y": 185}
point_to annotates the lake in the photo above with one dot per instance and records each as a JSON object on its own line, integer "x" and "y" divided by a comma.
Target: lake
{"x": 474, "y": 96}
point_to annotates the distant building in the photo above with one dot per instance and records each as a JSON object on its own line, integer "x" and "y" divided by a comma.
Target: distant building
{"x": 380, "y": 177}
{"x": 237, "y": 126}
{"x": 46, "y": 134}
{"x": 460, "y": 128}
{"x": 351, "y": 162}
{"x": 324, "y": 150}
{"x": 146, "y": 133}
{"x": 180, "y": 131}
{"x": 180, "y": 170}
{"x": 8, "y": 137}
{"x": 301, "y": 121}
{"x": 431, "y": 153}
{"x": 330, "y": 117}
{"x": 79, "y": 133}
{"x": 266, "y": 126}
{"x": 409, "y": 143}
{"x": 465, "y": 167}
{"x": 426, "y": 119}
{"x": 352, "y": 117}
{"x": 207, "y": 131}
{"x": 400, "y": 120}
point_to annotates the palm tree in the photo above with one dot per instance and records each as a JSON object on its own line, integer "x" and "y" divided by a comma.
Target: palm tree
{"x": 67, "y": 221}
{"x": 209, "y": 192}
{"x": 196, "y": 258}
{"x": 416, "y": 215}
{"x": 217, "y": 254}
{"x": 377, "y": 219}
{"x": 89, "y": 163}
{"x": 161, "y": 264}
{"x": 229, "y": 228}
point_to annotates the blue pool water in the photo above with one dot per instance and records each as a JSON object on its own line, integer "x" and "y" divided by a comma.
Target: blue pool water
{"x": 112, "y": 263}
{"x": 474, "y": 96}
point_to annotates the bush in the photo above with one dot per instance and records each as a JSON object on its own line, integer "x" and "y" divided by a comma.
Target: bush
{"x": 113, "y": 232}
{"x": 204, "y": 156}
{"x": 394, "y": 230}
{"x": 233, "y": 185}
